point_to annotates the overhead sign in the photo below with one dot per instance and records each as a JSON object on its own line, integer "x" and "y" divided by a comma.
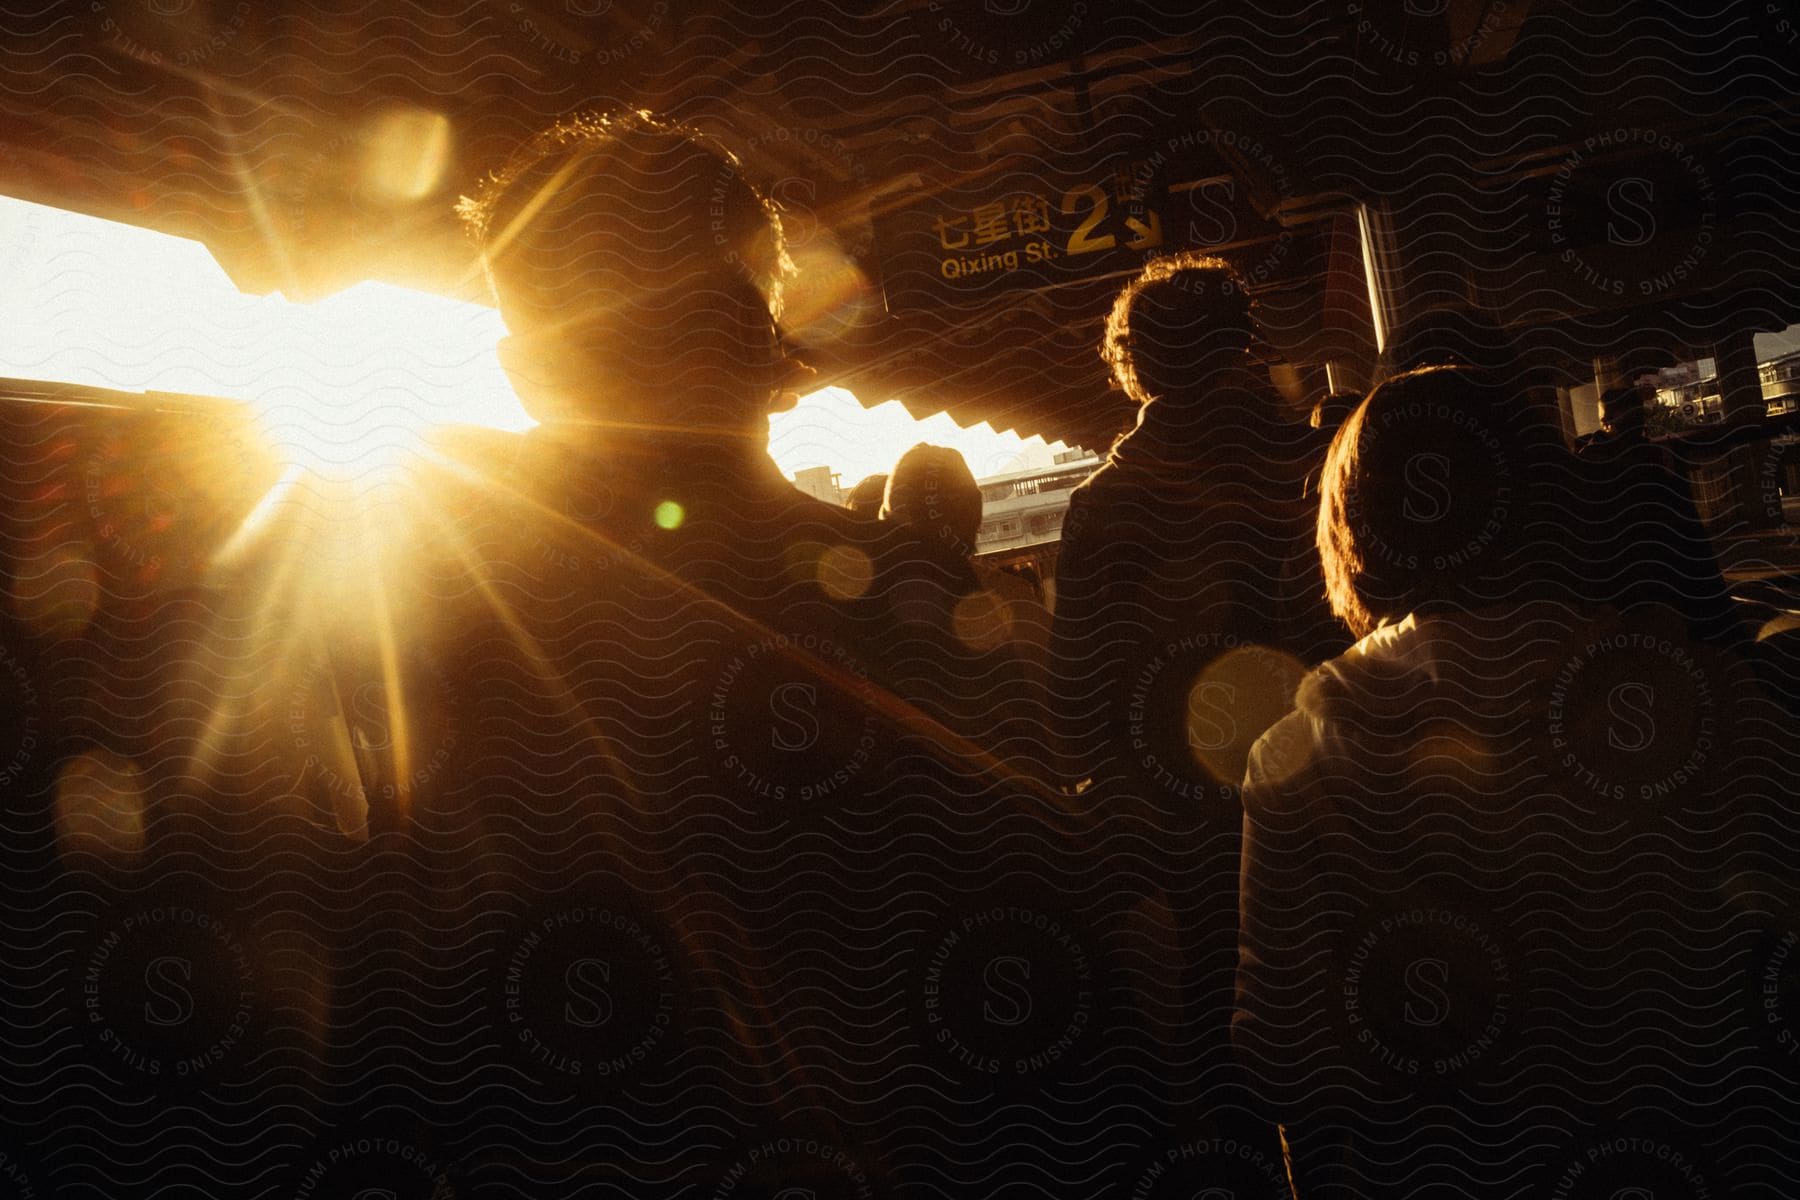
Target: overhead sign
{"x": 1034, "y": 236}
{"x": 972, "y": 243}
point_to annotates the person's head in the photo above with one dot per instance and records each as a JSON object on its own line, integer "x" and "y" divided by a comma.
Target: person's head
{"x": 1426, "y": 498}
{"x": 932, "y": 489}
{"x": 866, "y": 497}
{"x": 638, "y": 272}
{"x": 1184, "y": 316}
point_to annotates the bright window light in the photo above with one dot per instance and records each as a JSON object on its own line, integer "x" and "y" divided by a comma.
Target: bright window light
{"x": 345, "y": 387}
{"x": 831, "y": 428}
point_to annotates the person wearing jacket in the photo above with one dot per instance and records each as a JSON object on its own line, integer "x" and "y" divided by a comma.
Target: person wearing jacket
{"x": 1493, "y": 890}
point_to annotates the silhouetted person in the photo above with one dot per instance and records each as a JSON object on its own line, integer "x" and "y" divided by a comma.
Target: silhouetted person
{"x": 1190, "y": 543}
{"x": 866, "y": 497}
{"x": 685, "y": 695}
{"x": 994, "y": 628}
{"x": 1488, "y": 861}
{"x": 1632, "y": 510}
{"x": 932, "y": 489}
{"x": 663, "y": 663}
{"x": 1649, "y": 545}
{"x": 649, "y": 352}
{"x": 642, "y": 335}
{"x": 1188, "y": 603}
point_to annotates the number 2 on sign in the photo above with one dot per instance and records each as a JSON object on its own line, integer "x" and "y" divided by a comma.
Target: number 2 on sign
{"x": 1083, "y": 240}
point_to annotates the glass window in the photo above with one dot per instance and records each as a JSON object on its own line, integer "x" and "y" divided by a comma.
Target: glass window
{"x": 1778, "y": 363}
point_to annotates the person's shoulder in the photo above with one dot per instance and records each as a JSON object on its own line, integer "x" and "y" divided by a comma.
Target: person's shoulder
{"x": 840, "y": 533}
{"x": 1103, "y": 477}
{"x": 468, "y": 487}
{"x": 799, "y": 509}
{"x": 1391, "y": 666}
{"x": 469, "y": 463}
{"x": 1087, "y": 500}
{"x": 1285, "y": 754}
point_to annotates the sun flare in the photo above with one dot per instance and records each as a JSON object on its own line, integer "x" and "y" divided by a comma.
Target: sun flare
{"x": 350, "y": 387}
{"x": 310, "y": 450}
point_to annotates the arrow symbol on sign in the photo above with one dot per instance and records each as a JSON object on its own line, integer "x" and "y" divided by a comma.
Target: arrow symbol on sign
{"x": 1147, "y": 235}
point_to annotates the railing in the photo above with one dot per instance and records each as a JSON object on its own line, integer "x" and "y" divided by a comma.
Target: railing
{"x": 1037, "y": 485}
